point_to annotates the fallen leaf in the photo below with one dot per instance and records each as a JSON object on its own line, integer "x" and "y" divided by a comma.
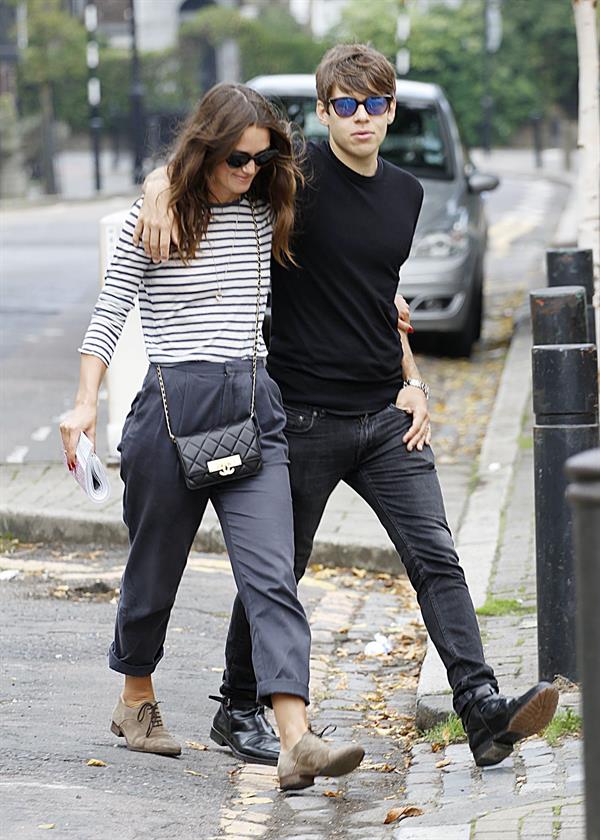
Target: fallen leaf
{"x": 335, "y": 794}
{"x": 47, "y": 825}
{"x": 397, "y": 814}
{"x": 95, "y": 762}
{"x": 195, "y": 745}
{"x": 195, "y": 773}
{"x": 444, "y": 763}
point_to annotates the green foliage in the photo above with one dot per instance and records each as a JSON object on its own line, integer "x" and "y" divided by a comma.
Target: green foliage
{"x": 564, "y": 723}
{"x": 534, "y": 69}
{"x": 55, "y": 55}
{"x": 504, "y": 606}
{"x": 360, "y": 24}
{"x": 449, "y": 731}
{"x": 272, "y": 43}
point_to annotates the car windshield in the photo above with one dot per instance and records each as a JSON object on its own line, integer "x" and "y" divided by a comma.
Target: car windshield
{"x": 415, "y": 140}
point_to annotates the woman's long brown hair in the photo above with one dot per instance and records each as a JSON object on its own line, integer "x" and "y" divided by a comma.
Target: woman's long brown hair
{"x": 207, "y": 138}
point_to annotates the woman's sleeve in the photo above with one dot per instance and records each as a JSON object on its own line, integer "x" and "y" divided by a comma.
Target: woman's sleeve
{"x": 121, "y": 283}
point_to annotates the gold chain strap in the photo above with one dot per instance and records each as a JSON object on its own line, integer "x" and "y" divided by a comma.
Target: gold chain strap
{"x": 256, "y": 326}
{"x": 256, "y": 334}
{"x": 164, "y": 399}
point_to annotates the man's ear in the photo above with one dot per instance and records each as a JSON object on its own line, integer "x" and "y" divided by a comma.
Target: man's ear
{"x": 322, "y": 113}
{"x": 391, "y": 111}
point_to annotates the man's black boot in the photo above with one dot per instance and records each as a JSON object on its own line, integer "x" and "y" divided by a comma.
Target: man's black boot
{"x": 244, "y": 728}
{"x": 494, "y": 723}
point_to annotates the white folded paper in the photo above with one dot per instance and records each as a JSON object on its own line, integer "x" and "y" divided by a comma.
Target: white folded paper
{"x": 89, "y": 471}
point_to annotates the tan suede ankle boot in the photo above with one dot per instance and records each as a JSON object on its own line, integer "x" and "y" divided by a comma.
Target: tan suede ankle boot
{"x": 143, "y": 728}
{"x": 312, "y": 757}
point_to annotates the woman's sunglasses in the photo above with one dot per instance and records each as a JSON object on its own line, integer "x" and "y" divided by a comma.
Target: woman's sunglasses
{"x": 347, "y": 106}
{"x": 238, "y": 159}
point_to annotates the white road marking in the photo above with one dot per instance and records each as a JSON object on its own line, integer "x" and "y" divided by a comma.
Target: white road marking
{"x": 41, "y": 433}
{"x": 17, "y": 456}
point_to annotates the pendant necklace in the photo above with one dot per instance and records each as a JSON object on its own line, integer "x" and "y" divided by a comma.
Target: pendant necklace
{"x": 221, "y": 279}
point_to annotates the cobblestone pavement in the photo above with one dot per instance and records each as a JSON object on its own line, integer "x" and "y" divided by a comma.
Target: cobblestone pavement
{"x": 536, "y": 793}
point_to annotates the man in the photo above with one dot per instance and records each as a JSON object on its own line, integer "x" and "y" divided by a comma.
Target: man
{"x": 356, "y": 406}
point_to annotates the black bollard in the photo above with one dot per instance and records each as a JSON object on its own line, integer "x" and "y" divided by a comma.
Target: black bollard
{"x": 574, "y": 267}
{"x": 583, "y": 493}
{"x": 565, "y": 403}
{"x": 558, "y": 315}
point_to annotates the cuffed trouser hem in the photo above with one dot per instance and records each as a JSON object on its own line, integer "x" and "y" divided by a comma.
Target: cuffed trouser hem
{"x": 116, "y": 664}
{"x": 264, "y": 690}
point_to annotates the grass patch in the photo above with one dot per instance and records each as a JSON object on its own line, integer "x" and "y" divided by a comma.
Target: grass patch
{"x": 8, "y": 543}
{"x": 565, "y": 722}
{"x": 449, "y": 731}
{"x": 525, "y": 442}
{"x": 504, "y": 606}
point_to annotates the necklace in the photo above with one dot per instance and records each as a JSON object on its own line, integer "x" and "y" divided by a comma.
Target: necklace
{"x": 221, "y": 280}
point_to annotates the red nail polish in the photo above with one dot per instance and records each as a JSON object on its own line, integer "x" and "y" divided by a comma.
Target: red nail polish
{"x": 411, "y": 329}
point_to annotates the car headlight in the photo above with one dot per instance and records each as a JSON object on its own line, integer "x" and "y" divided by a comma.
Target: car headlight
{"x": 442, "y": 244}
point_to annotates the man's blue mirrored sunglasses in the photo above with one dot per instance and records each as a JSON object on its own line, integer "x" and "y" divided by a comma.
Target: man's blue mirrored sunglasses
{"x": 347, "y": 106}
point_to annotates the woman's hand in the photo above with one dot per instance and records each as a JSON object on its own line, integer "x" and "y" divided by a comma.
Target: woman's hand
{"x": 403, "y": 314}
{"x": 81, "y": 419}
{"x": 156, "y": 227}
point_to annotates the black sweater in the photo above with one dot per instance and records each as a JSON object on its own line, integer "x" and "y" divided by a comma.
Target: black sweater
{"x": 334, "y": 340}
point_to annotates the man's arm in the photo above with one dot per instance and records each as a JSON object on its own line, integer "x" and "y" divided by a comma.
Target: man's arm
{"x": 414, "y": 401}
{"x": 156, "y": 227}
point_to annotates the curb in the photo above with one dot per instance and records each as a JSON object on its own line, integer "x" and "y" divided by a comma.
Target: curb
{"x": 79, "y": 528}
{"x": 480, "y": 532}
{"x": 39, "y": 202}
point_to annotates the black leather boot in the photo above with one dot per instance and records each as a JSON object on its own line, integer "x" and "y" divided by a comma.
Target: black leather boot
{"x": 494, "y": 723}
{"x": 245, "y": 729}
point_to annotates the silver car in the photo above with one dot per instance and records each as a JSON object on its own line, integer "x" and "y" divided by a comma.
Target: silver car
{"x": 443, "y": 279}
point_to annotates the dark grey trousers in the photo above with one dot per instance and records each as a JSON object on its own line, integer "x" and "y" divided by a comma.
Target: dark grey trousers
{"x": 255, "y": 513}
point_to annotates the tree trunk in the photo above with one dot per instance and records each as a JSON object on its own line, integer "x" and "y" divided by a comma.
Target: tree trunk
{"x": 589, "y": 140}
{"x": 48, "y": 170}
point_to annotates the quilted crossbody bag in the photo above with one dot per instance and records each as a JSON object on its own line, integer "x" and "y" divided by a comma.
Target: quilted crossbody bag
{"x": 227, "y": 452}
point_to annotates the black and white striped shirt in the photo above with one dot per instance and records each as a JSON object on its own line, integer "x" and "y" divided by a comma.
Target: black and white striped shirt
{"x": 202, "y": 311}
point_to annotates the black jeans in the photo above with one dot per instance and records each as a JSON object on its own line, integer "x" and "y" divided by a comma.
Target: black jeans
{"x": 402, "y": 488}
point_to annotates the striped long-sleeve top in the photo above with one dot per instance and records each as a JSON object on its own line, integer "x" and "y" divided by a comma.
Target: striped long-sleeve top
{"x": 202, "y": 311}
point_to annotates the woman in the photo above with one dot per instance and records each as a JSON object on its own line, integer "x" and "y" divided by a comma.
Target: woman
{"x": 232, "y": 191}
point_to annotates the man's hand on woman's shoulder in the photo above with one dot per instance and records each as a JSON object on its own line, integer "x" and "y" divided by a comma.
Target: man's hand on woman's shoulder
{"x": 156, "y": 228}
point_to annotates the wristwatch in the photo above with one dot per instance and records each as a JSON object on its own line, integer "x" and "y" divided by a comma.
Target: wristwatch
{"x": 418, "y": 383}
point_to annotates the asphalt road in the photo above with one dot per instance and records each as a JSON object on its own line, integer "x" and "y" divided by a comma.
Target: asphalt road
{"x": 57, "y": 694}
{"x": 49, "y": 283}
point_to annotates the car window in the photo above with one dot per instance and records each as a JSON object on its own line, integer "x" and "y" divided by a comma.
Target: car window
{"x": 415, "y": 140}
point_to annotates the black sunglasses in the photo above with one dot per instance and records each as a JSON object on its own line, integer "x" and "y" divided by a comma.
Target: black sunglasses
{"x": 347, "y": 106}
{"x": 238, "y": 159}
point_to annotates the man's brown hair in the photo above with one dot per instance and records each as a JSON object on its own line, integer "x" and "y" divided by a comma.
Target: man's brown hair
{"x": 355, "y": 68}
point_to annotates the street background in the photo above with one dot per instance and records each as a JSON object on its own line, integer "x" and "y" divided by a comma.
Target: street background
{"x": 61, "y": 557}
